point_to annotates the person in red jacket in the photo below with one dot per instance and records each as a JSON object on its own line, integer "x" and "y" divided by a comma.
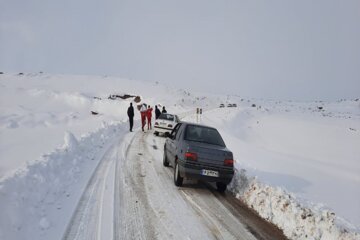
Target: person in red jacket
{"x": 149, "y": 115}
{"x": 143, "y": 113}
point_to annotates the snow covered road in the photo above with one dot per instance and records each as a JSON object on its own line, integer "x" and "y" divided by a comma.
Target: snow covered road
{"x": 132, "y": 196}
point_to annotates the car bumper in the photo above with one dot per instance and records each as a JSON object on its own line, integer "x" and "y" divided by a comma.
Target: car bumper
{"x": 162, "y": 129}
{"x": 195, "y": 172}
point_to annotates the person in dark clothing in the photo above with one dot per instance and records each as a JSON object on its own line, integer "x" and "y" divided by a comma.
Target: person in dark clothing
{"x": 130, "y": 113}
{"x": 157, "y": 112}
{"x": 164, "y": 110}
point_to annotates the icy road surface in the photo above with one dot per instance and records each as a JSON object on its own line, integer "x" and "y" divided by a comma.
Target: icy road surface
{"x": 131, "y": 195}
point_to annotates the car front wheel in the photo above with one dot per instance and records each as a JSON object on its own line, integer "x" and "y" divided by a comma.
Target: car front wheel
{"x": 178, "y": 180}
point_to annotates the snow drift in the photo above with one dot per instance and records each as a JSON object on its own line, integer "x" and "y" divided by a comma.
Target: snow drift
{"x": 42, "y": 196}
{"x": 288, "y": 213}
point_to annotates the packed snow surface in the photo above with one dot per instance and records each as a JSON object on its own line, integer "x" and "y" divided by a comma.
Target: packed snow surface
{"x": 297, "y": 162}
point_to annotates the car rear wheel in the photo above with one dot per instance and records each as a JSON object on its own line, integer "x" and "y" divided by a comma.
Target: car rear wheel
{"x": 156, "y": 133}
{"x": 178, "y": 180}
{"x": 165, "y": 160}
{"x": 221, "y": 187}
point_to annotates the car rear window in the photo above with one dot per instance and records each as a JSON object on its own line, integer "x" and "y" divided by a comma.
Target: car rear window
{"x": 165, "y": 116}
{"x": 203, "y": 134}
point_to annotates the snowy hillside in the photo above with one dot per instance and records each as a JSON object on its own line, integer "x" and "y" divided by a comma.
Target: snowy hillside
{"x": 41, "y": 108}
{"x": 297, "y": 163}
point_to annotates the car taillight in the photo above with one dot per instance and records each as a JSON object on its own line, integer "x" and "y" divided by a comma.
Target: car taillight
{"x": 156, "y": 123}
{"x": 229, "y": 162}
{"x": 191, "y": 156}
{"x": 170, "y": 126}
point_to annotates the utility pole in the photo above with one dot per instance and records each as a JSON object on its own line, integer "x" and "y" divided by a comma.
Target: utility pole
{"x": 198, "y": 115}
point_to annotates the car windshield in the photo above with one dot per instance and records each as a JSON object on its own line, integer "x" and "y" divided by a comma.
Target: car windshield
{"x": 166, "y": 116}
{"x": 203, "y": 134}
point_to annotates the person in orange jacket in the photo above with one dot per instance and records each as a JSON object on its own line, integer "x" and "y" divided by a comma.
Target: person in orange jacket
{"x": 148, "y": 116}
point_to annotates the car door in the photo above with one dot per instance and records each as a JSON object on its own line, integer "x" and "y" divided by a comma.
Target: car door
{"x": 171, "y": 144}
{"x": 178, "y": 141}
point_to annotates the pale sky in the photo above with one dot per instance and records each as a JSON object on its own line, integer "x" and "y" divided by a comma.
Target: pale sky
{"x": 299, "y": 50}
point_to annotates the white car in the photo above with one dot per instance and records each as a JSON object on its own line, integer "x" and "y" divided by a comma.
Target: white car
{"x": 165, "y": 123}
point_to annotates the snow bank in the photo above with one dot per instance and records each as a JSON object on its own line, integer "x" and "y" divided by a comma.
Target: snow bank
{"x": 70, "y": 141}
{"x": 37, "y": 202}
{"x": 284, "y": 210}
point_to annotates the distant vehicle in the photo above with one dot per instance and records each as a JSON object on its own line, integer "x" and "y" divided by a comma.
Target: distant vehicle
{"x": 229, "y": 105}
{"x": 222, "y": 105}
{"x": 198, "y": 152}
{"x": 234, "y": 105}
{"x": 165, "y": 123}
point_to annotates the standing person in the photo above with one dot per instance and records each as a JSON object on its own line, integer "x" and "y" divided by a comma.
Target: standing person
{"x": 130, "y": 113}
{"x": 143, "y": 110}
{"x": 157, "y": 112}
{"x": 149, "y": 116}
{"x": 164, "y": 110}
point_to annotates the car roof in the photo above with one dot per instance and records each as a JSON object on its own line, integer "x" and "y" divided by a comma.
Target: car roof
{"x": 168, "y": 114}
{"x": 196, "y": 124}
{"x": 175, "y": 117}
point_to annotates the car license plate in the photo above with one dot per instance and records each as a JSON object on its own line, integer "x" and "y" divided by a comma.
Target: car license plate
{"x": 210, "y": 173}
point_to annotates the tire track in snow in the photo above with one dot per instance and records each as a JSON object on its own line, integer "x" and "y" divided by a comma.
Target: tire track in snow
{"x": 87, "y": 220}
{"x": 131, "y": 219}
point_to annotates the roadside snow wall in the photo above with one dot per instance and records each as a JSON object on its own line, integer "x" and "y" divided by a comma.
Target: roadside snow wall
{"x": 37, "y": 203}
{"x": 284, "y": 210}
